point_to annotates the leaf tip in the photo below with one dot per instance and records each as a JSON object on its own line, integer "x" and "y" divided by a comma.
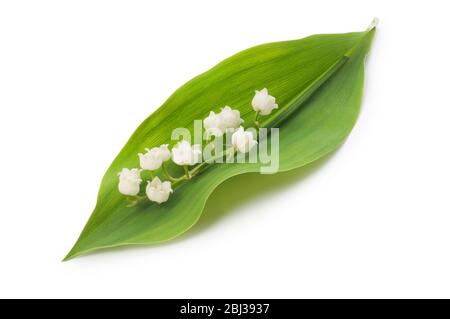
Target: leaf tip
{"x": 69, "y": 256}
{"x": 74, "y": 252}
{"x": 373, "y": 24}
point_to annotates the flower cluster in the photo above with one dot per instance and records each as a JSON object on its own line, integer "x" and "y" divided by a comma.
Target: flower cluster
{"x": 218, "y": 124}
{"x": 184, "y": 154}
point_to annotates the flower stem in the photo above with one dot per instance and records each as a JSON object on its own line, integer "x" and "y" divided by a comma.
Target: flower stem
{"x": 256, "y": 119}
{"x": 166, "y": 172}
{"x": 178, "y": 181}
{"x": 134, "y": 200}
{"x": 199, "y": 168}
{"x": 275, "y": 119}
{"x": 186, "y": 171}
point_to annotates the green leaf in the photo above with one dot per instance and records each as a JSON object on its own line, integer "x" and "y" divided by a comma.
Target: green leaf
{"x": 318, "y": 83}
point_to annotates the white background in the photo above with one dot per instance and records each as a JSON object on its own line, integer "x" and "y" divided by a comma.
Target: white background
{"x": 372, "y": 220}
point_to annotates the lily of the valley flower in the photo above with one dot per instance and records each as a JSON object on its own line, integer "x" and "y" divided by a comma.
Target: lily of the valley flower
{"x": 158, "y": 191}
{"x": 129, "y": 181}
{"x": 263, "y": 103}
{"x": 185, "y": 154}
{"x": 230, "y": 118}
{"x": 217, "y": 124}
{"x": 153, "y": 159}
{"x": 213, "y": 124}
{"x": 242, "y": 140}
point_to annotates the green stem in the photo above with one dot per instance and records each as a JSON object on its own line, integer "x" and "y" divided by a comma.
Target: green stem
{"x": 299, "y": 99}
{"x": 186, "y": 172}
{"x": 178, "y": 181}
{"x": 200, "y": 168}
{"x": 197, "y": 169}
{"x": 134, "y": 200}
{"x": 166, "y": 172}
{"x": 256, "y": 119}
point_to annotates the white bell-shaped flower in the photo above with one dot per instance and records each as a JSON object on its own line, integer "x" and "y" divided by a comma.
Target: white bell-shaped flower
{"x": 242, "y": 140}
{"x": 153, "y": 159}
{"x": 218, "y": 124}
{"x": 213, "y": 124}
{"x": 129, "y": 181}
{"x": 185, "y": 154}
{"x": 231, "y": 119}
{"x": 158, "y": 191}
{"x": 164, "y": 152}
{"x": 263, "y": 102}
